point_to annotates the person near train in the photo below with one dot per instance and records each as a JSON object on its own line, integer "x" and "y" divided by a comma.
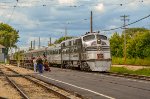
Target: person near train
{"x": 46, "y": 66}
{"x": 40, "y": 64}
{"x": 35, "y": 64}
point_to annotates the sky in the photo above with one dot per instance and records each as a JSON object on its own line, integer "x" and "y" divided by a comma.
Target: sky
{"x": 49, "y": 18}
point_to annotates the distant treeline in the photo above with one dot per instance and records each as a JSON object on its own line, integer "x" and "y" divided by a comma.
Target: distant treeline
{"x": 137, "y": 43}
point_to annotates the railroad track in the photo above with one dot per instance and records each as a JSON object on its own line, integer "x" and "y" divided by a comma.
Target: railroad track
{"x": 27, "y": 91}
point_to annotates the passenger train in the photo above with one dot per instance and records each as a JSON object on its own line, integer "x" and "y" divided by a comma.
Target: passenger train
{"x": 90, "y": 52}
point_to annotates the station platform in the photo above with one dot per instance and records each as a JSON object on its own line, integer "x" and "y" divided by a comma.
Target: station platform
{"x": 95, "y": 85}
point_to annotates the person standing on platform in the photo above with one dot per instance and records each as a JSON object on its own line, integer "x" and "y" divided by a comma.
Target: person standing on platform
{"x": 35, "y": 64}
{"x": 40, "y": 64}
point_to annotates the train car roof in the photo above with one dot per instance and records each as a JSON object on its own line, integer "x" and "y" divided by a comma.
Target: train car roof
{"x": 37, "y": 50}
{"x": 70, "y": 39}
{"x": 56, "y": 46}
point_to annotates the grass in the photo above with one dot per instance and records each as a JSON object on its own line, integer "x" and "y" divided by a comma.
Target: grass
{"x": 1, "y": 62}
{"x": 133, "y": 61}
{"x": 144, "y": 71}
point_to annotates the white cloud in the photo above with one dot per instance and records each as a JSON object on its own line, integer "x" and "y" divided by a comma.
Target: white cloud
{"x": 71, "y": 2}
{"x": 146, "y": 2}
{"x": 100, "y": 7}
{"x": 22, "y": 19}
{"x": 27, "y": 44}
{"x": 26, "y": 4}
{"x": 112, "y": 26}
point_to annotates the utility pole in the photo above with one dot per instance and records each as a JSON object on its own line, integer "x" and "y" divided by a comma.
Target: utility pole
{"x": 34, "y": 44}
{"x": 66, "y": 33}
{"x": 91, "y": 22}
{"x": 50, "y": 41}
{"x": 31, "y": 45}
{"x": 125, "y": 18}
{"x": 39, "y": 42}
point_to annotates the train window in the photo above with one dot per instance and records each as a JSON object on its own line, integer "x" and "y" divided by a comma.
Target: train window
{"x": 44, "y": 54}
{"x": 75, "y": 50}
{"x": 88, "y": 37}
{"x": 79, "y": 41}
{"x": 72, "y": 50}
{"x": 63, "y": 44}
{"x": 59, "y": 51}
{"x": 99, "y": 37}
{"x": 69, "y": 43}
{"x": 55, "y": 52}
{"x": 67, "y": 51}
{"x": 51, "y": 52}
{"x": 74, "y": 42}
{"x": 64, "y": 51}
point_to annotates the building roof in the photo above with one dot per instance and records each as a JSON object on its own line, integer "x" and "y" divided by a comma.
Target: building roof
{"x": 1, "y": 46}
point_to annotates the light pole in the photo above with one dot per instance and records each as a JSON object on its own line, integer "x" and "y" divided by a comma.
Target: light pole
{"x": 66, "y": 29}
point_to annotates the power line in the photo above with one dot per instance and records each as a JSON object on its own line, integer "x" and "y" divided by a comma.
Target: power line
{"x": 49, "y": 3}
{"x": 127, "y": 24}
{"x": 9, "y": 19}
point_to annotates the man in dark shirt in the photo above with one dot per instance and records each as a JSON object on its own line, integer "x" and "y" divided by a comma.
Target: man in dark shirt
{"x": 40, "y": 64}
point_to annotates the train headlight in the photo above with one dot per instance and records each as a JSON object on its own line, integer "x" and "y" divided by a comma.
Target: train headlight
{"x": 98, "y": 41}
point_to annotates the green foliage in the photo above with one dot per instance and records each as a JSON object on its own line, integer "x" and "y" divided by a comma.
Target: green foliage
{"x": 139, "y": 46}
{"x": 8, "y": 36}
{"x": 144, "y": 71}
{"x": 116, "y": 43}
{"x": 133, "y": 31}
{"x": 18, "y": 55}
{"x": 50, "y": 44}
{"x": 62, "y": 39}
{"x": 138, "y": 43}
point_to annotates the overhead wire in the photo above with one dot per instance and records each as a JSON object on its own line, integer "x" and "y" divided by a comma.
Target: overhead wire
{"x": 9, "y": 19}
{"x": 49, "y": 3}
{"x": 127, "y": 24}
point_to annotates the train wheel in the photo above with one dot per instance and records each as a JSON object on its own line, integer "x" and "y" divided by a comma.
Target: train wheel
{"x": 85, "y": 66}
{"x": 82, "y": 67}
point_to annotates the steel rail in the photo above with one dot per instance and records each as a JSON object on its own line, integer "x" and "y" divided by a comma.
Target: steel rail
{"x": 48, "y": 88}
{"x": 15, "y": 85}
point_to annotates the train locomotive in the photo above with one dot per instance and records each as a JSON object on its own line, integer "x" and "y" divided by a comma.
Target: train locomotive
{"x": 90, "y": 52}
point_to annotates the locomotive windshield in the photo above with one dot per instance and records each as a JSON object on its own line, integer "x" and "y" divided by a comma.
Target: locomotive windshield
{"x": 101, "y": 37}
{"x": 89, "y": 37}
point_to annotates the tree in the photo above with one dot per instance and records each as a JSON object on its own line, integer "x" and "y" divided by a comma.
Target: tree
{"x": 62, "y": 39}
{"x": 116, "y": 45}
{"x": 130, "y": 32}
{"x": 8, "y": 36}
{"x": 138, "y": 42}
